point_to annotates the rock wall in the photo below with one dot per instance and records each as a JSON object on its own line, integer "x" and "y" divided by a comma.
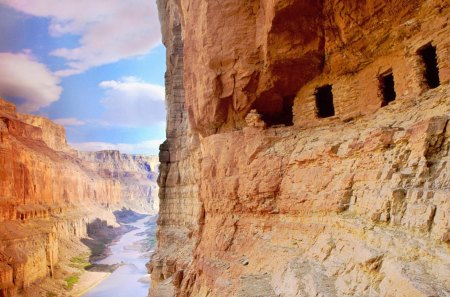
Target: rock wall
{"x": 49, "y": 193}
{"x": 263, "y": 195}
{"x": 53, "y": 134}
{"x": 180, "y": 208}
{"x": 136, "y": 174}
{"x": 35, "y": 179}
{"x": 31, "y": 249}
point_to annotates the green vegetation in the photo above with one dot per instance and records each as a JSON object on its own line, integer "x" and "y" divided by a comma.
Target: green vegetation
{"x": 71, "y": 281}
{"x": 80, "y": 262}
{"x": 51, "y": 294}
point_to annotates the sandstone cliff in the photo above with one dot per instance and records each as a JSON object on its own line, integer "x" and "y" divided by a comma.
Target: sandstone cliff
{"x": 307, "y": 149}
{"x": 53, "y": 134}
{"x": 136, "y": 174}
{"x": 49, "y": 193}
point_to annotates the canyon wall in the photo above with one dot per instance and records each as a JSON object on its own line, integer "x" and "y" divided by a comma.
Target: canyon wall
{"x": 53, "y": 134}
{"x": 180, "y": 208}
{"x": 136, "y": 174}
{"x": 49, "y": 193}
{"x": 307, "y": 149}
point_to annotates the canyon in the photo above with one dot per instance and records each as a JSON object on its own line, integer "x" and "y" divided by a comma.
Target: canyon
{"x": 51, "y": 196}
{"x": 307, "y": 149}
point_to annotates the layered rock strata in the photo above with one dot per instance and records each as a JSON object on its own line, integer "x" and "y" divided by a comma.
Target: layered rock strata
{"x": 136, "y": 174}
{"x": 180, "y": 208}
{"x": 49, "y": 194}
{"x": 36, "y": 180}
{"x": 267, "y": 187}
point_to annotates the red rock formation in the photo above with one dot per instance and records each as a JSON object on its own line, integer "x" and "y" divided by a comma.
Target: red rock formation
{"x": 354, "y": 204}
{"x": 33, "y": 174}
{"x": 49, "y": 193}
{"x": 180, "y": 209}
{"x": 53, "y": 135}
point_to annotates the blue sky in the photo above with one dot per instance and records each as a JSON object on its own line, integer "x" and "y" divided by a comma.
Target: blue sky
{"x": 96, "y": 67}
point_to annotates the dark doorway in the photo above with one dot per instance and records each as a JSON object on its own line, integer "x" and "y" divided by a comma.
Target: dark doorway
{"x": 431, "y": 71}
{"x": 287, "y": 116}
{"x": 324, "y": 102}
{"x": 387, "y": 88}
{"x": 278, "y": 111}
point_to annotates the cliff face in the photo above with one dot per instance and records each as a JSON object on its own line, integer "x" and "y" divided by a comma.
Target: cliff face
{"x": 307, "y": 151}
{"x": 49, "y": 194}
{"x": 34, "y": 175}
{"x": 180, "y": 207}
{"x": 53, "y": 135}
{"x": 136, "y": 174}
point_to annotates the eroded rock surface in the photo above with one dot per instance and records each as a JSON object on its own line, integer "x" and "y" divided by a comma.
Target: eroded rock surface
{"x": 266, "y": 189}
{"x": 136, "y": 174}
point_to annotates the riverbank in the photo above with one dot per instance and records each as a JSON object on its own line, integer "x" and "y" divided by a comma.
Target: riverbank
{"x": 131, "y": 252}
{"x": 78, "y": 270}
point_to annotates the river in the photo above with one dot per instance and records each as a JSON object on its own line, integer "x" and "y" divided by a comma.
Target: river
{"x": 132, "y": 250}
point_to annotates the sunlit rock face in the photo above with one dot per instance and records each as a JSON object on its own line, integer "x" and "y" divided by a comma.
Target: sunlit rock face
{"x": 53, "y": 135}
{"x": 49, "y": 193}
{"x": 136, "y": 174}
{"x": 307, "y": 150}
{"x": 34, "y": 172}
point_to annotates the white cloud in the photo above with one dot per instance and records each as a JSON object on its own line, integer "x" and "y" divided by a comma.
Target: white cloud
{"x": 23, "y": 77}
{"x": 69, "y": 122}
{"x": 109, "y": 30}
{"x": 145, "y": 147}
{"x": 131, "y": 102}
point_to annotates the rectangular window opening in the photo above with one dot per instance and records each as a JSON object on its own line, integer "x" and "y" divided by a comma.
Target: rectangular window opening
{"x": 324, "y": 102}
{"x": 387, "y": 88}
{"x": 431, "y": 71}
